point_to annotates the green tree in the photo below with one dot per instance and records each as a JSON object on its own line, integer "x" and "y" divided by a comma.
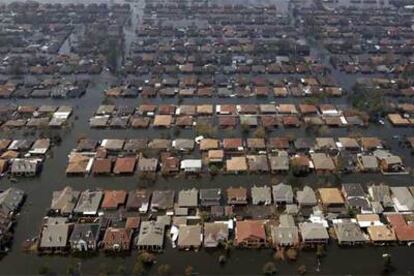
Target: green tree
{"x": 269, "y": 268}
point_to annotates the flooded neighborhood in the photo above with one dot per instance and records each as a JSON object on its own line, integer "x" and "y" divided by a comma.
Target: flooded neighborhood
{"x": 192, "y": 137}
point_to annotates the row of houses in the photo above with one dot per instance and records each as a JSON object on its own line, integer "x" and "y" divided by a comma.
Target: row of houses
{"x": 378, "y": 199}
{"x": 23, "y": 157}
{"x": 225, "y": 116}
{"x": 96, "y": 228}
{"x": 11, "y": 200}
{"x": 231, "y": 145}
{"x": 42, "y": 87}
{"x": 35, "y": 117}
{"x": 233, "y": 155}
{"x": 226, "y": 88}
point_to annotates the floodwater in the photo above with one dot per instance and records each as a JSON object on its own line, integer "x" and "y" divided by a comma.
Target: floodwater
{"x": 364, "y": 260}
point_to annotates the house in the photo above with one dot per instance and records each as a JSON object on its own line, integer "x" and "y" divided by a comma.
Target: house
{"x": 169, "y": 164}
{"x": 233, "y": 144}
{"x": 322, "y": 163}
{"x": 257, "y": 163}
{"x": 210, "y": 197}
{"x": 403, "y": 230}
{"x": 250, "y": 233}
{"x": 102, "y": 166}
{"x": 381, "y": 194}
{"x": 313, "y": 233}
{"x": 236, "y": 164}
{"x": 215, "y": 233}
{"x": 88, "y": 203}
{"x": 113, "y": 145}
{"x": 389, "y": 163}
{"x": 236, "y": 196}
{"x": 117, "y": 239}
{"x": 306, "y": 197}
{"x": 279, "y": 163}
{"x": 355, "y": 197}
{"x": 151, "y": 236}
{"x": 188, "y": 198}
{"x": 147, "y": 164}
{"x": 162, "y": 121}
{"x": 54, "y": 235}
{"x": 256, "y": 144}
{"x": 64, "y": 201}
{"x": 348, "y": 143}
{"x": 261, "y": 195}
{"x": 162, "y": 200}
{"x": 125, "y": 165}
{"x": 25, "y": 167}
{"x": 135, "y": 145}
{"x": 331, "y": 199}
{"x": 10, "y": 201}
{"x": 370, "y": 143}
{"x": 215, "y": 156}
{"x": 86, "y": 145}
{"x": 402, "y": 198}
{"x": 189, "y": 237}
{"x": 85, "y": 236}
{"x": 191, "y": 165}
{"x": 209, "y": 144}
{"x": 367, "y": 163}
{"x": 348, "y": 233}
{"x": 114, "y": 199}
{"x": 138, "y": 200}
{"x": 183, "y": 144}
{"x": 286, "y": 233}
{"x": 40, "y": 147}
{"x": 159, "y": 144}
{"x": 381, "y": 234}
{"x": 79, "y": 164}
{"x": 282, "y": 194}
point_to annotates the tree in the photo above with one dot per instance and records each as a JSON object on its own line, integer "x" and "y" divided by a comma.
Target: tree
{"x": 302, "y": 269}
{"x": 320, "y": 251}
{"x": 188, "y": 271}
{"x": 388, "y": 266}
{"x": 146, "y": 258}
{"x": 222, "y": 259}
{"x": 292, "y": 254}
{"x": 269, "y": 268}
{"x": 164, "y": 269}
{"x": 43, "y": 269}
{"x": 260, "y": 132}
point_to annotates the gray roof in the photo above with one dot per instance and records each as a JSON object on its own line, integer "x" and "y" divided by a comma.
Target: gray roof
{"x": 162, "y": 200}
{"x": 349, "y": 232}
{"x": 282, "y": 193}
{"x": 188, "y": 198}
{"x": 89, "y": 202}
{"x": 210, "y": 194}
{"x": 353, "y": 189}
{"x": 88, "y": 232}
{"x": 65, "y": 200}
{"x": 404, "y": 197}
{"x": 55, "y": 235}
{"x": 24, "y": 166}
{"x": 306, "y": 196}
{"x": 183, "y": 144}
{"x": 10, "y": 200}
{"x": 381, "y": 193}
{"x": 284, "y": 235}
{"x": 279, "y": 163}
{"x": 151, "y": 233}
{"x": 261, "y": 195}
{"x": 313, "y": 231}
